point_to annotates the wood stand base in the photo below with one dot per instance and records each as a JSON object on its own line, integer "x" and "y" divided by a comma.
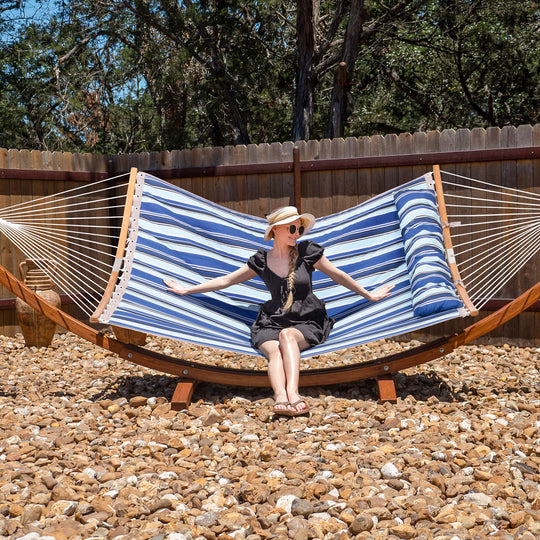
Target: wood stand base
{"x": 184, "y": 391}
{"x": 387, "y": 388}
{"x": 182, "y": 394}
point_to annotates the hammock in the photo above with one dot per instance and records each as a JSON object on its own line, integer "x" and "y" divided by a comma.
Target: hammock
{"x": 400, "y": 237}
{"x": 395, "y": 238}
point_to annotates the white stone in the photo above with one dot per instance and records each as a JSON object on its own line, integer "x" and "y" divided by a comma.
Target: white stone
{"x": 389, "y": 470}
{"x": 334, "y": 493}
{"x": 91, "y": 473}
{"x": 250, "y": 437}
{"x": 285, "y": 503}
{"x": 481, "y": 499}
{"x": 168, "y": 475}
{"x": 325, "y": 475}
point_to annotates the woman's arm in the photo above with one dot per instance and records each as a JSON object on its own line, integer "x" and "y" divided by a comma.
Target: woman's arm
{"x": 324, "y": 265}
{"x": 222, "y": 282}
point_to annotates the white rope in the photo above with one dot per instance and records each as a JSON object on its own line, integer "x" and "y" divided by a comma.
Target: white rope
{"x": 71, "y": 231}
{"x": 38, "y": 209}
{"x": 494, "y": 187}
{"x": 489, "y": 288}
{"x": 63, "y": 217}
{"x": 485, "y": 278}
{"x": 489, "y": 239}
{"x": 88, "y": 236}
{"x": 489, "y": 291}
{"x": 78, "y": 256}
{"x": 34, "y": 253}
{"x": 489, "y": 255}
{"x": 83, "y": 189}
{"x": 484, "y": 200}
{"x": 67, "y": 279}
{"x": 495, "y": 231}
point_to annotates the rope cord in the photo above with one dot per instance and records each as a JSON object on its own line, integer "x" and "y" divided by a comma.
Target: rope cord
{"x": 83, "y": 192}
{"x": 493, "y": 187}
{"x": 67, "y": 273}
{"x": 71, "y": 236}
{"x": 495, "y": 232}
{"x": 519, "y": 241}
{"x": 489, "y": 239}
{"x": 39, "y": 209}
{"x": 490, "y": 287}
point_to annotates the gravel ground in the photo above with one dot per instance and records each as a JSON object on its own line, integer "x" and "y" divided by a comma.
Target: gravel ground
{"x": 90, "y": 448}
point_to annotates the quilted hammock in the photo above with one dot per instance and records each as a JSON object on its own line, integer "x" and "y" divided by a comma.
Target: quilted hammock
{"x": 395, "y": 237}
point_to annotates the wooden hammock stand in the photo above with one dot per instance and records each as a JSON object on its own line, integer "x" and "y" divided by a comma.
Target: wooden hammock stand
{"x": 191, "y": 373}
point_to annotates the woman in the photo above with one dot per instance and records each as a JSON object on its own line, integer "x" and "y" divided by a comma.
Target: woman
{"x": 294, "y": 319}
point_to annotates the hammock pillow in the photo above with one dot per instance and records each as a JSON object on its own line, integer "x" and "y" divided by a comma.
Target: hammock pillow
{"x": 432, "y": 288}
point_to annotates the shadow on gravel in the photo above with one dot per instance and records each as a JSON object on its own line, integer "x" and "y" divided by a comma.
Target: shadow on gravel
{"x": 421, "y": 387}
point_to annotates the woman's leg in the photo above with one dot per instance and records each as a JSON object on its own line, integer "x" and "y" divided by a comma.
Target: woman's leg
{"x": 291, "y": 343}
{"x": 276, "y": 373}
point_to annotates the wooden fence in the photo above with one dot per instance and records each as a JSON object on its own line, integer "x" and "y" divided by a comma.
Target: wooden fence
{"x": 321, "y": 177}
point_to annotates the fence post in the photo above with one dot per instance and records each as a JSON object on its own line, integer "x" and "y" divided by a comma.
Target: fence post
{"x": 297, "y": 176}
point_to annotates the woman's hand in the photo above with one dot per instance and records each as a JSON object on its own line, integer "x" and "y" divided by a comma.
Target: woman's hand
{"x": 381, "y": 293}
{"x": 172, "y": 286}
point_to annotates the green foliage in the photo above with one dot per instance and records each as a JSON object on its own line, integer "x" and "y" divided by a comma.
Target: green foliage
{"x": 108, "y": 76}
{"x": 460, "y": 63}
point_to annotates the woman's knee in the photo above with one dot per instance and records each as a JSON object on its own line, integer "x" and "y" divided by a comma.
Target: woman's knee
{"x": 290, "y": 335}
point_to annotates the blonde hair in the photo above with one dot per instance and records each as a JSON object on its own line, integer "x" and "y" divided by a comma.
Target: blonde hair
{"x": 293, "y": 257}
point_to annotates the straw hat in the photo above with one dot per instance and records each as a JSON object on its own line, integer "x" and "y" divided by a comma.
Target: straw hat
{"x": 285, "y": 215}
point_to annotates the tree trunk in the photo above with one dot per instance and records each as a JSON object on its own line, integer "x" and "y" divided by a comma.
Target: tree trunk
{"x": 305, "y": 74}
{"x": 341, "y": 104}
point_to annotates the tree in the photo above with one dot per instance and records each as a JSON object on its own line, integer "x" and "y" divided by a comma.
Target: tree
{"x": 458, "y": 63}
{"x": 129, "y": 76}
{"x": 350, "y": 26}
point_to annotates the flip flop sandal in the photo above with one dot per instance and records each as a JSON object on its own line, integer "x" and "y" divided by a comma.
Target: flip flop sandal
{"x": 299, "y": 413}
{"x": 282, "y": 412}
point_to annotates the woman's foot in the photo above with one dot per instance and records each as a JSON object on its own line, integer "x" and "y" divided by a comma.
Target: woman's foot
{"x": 282, "y": 408}
{"x": 299, "y": 407}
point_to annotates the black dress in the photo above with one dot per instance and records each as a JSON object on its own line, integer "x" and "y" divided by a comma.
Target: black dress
{"x": 307, "y": 312}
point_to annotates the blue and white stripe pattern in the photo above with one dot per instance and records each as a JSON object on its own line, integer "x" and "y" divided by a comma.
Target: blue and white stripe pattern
{"x": 189, "y": 239}
{"x": 432, "y": 287}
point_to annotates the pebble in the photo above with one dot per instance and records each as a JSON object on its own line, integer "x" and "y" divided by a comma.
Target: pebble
{"x": 90, "y": 448}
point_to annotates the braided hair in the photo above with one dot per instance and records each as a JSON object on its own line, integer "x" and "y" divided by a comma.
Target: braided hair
{"x": 293, "y": 257}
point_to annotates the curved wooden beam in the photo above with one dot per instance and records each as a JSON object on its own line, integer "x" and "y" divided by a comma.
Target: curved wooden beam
{"x": 193, "y": 371}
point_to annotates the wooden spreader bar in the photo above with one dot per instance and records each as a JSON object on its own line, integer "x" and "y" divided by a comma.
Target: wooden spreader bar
{"x": 120, "y": 248}
{"x": 454, "y": 271}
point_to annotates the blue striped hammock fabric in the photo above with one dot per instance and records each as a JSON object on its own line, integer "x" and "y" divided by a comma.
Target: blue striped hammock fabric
{"x": 395, "y": 237}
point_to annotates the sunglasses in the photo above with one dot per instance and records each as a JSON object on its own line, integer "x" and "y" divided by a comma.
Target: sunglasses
{"x": 293, "y": 228}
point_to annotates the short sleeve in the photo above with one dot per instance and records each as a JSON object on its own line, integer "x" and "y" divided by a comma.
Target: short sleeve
{"x": 310, "y": 252}
{"x": 257, "y": 262}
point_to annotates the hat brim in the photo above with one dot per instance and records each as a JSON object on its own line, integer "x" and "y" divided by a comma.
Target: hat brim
{"x": 307, "y": 220}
